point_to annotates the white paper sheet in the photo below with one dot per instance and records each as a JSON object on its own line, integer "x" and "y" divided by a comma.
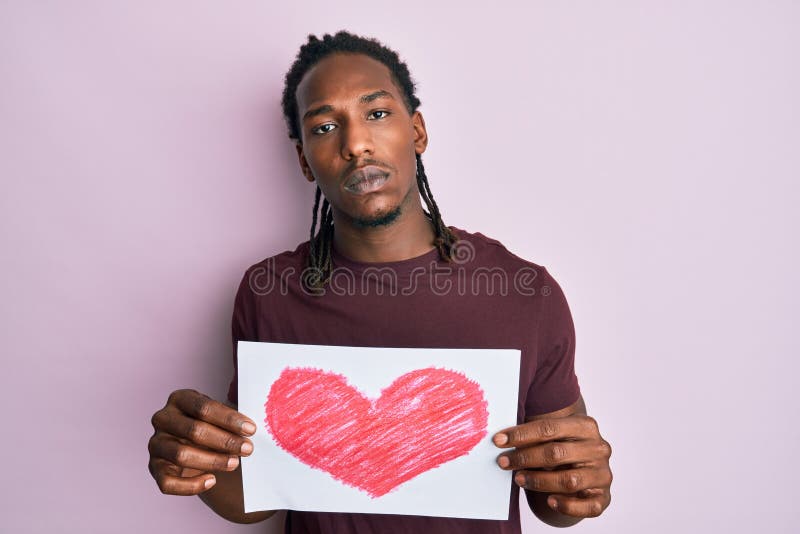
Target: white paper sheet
{"x": 327, "y": 443}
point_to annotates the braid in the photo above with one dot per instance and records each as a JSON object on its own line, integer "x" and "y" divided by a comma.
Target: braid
{"x": 445, "y": 239}
{"x": 319, "y": 252}
{"x": 326, "y": 241}
{"x": 312, "y": 241}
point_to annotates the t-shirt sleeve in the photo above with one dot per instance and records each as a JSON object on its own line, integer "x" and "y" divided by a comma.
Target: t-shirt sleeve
{"x": 554, "y": 385}
{"x": 242, "y": 329}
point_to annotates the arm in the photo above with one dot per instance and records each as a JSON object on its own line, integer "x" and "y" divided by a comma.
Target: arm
{"x": 561, "y": 459}
{"x": 562, "y": 463}
{"x": 195, "y": 450}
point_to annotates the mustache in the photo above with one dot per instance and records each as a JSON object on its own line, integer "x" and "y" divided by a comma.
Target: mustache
{"x": 362, "y": 162}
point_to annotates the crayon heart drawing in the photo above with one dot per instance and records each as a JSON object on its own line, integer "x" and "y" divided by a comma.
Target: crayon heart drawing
{"x": 424, "y": 419}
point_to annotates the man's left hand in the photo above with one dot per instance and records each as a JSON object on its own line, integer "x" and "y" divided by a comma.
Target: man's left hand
{"x": 564, "y": 457}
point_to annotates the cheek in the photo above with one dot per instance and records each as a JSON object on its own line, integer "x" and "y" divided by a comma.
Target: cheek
{"x": 320, "y": 163}
{"x": 313, "y": 157}
{"x": 409, "y": 160}
{"x": 401, "y": 145}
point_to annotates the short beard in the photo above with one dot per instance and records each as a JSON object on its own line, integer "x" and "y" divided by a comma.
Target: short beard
{"x": 381, "y": 220}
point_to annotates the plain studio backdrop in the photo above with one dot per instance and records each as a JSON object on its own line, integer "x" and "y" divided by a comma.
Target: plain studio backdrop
{"x": 646, "y": 153}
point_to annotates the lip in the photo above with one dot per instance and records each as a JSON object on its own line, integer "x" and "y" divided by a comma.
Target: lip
{"x": 367, "y": 179}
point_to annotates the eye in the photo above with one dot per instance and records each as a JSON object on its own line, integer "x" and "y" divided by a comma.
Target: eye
{"x": 323, "y": 128}
{"x": 378, "y": 114}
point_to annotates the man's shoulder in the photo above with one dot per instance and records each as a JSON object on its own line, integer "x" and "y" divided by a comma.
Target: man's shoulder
{"x": 288, "y": 258}
{"x": 488, "y": 252}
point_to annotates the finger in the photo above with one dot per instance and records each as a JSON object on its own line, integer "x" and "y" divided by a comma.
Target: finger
{"x": 207, "y": 435}
{"x": 549, "y": 455}
{"x": 181, "y": 454}
{"x": 199, "y": 406}
{"x": 169, "y": 482}
{"x": 563, "y": 481}
{"x": 587, "y": 503}
{"x": 544, "y": 430}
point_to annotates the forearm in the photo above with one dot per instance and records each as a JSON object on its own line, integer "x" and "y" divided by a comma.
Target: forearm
{"x": 538, "y": 503}
{"x": 226, "y": 498}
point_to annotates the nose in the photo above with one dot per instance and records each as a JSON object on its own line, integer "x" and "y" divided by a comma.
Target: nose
{"x": 356, "y": 140}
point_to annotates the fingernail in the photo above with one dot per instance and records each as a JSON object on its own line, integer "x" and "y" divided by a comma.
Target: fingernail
{"x": 553, "y": 503}
{"x": 247, "y": 447}
{"x": 519, "y": 478}
{"x": 503, "y": 461}
{"x": 500, "y": 439}
{"x": 248, "y": 428}
{"x": 233, "y": 461}
{"x": 209, "y": 482}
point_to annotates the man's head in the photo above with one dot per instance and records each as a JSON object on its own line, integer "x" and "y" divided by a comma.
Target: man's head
{"x": 358, "y": 141}
{"x": 350, "y": 106}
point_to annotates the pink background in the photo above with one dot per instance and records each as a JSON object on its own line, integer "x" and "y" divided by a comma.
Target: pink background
{"x": 645, "y": 152}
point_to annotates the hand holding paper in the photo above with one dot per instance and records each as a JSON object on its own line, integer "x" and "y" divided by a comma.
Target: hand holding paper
{"x": 194, "y": 437}
{"x": 564, "y": 457}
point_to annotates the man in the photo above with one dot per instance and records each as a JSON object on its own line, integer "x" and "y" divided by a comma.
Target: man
{"x": 351, "y": 109}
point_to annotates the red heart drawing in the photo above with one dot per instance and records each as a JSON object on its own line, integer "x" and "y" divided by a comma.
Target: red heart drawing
{"x": 423, "y": 419}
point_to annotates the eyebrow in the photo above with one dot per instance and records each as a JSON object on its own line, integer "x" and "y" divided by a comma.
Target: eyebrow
{"x": 363, "y": 99}
{"x": 366, "y": 99}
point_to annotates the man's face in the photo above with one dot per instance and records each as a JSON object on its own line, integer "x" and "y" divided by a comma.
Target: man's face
{"x": 358, "y": 140}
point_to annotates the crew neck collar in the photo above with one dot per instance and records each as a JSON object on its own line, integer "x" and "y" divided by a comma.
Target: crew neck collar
{"x": 400, "y": 266}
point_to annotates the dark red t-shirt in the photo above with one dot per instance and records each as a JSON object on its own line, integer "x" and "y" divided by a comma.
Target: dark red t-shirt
{"x": 486, "y": 298}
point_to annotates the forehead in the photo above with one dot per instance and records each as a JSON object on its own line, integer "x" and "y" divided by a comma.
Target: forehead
{"x": 343, "y": 76}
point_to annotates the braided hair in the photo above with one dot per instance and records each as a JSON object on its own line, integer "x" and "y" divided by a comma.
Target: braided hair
{"x": 319, "y": 265}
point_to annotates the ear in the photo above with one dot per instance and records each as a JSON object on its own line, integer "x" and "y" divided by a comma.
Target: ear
{"x": 303, "y": 162}
{"x": 420, "y": 132}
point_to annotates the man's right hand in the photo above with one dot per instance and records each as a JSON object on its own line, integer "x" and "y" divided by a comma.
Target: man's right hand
{"x": 194, "y": 437}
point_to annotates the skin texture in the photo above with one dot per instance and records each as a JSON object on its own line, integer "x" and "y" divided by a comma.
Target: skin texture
{"x": 352, "y": 114}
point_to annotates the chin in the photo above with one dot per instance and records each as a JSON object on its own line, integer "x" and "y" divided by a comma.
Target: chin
{"x": 381, "y": 218}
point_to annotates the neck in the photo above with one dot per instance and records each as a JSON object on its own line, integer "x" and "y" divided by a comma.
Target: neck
{"x": 409, "y": 236}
